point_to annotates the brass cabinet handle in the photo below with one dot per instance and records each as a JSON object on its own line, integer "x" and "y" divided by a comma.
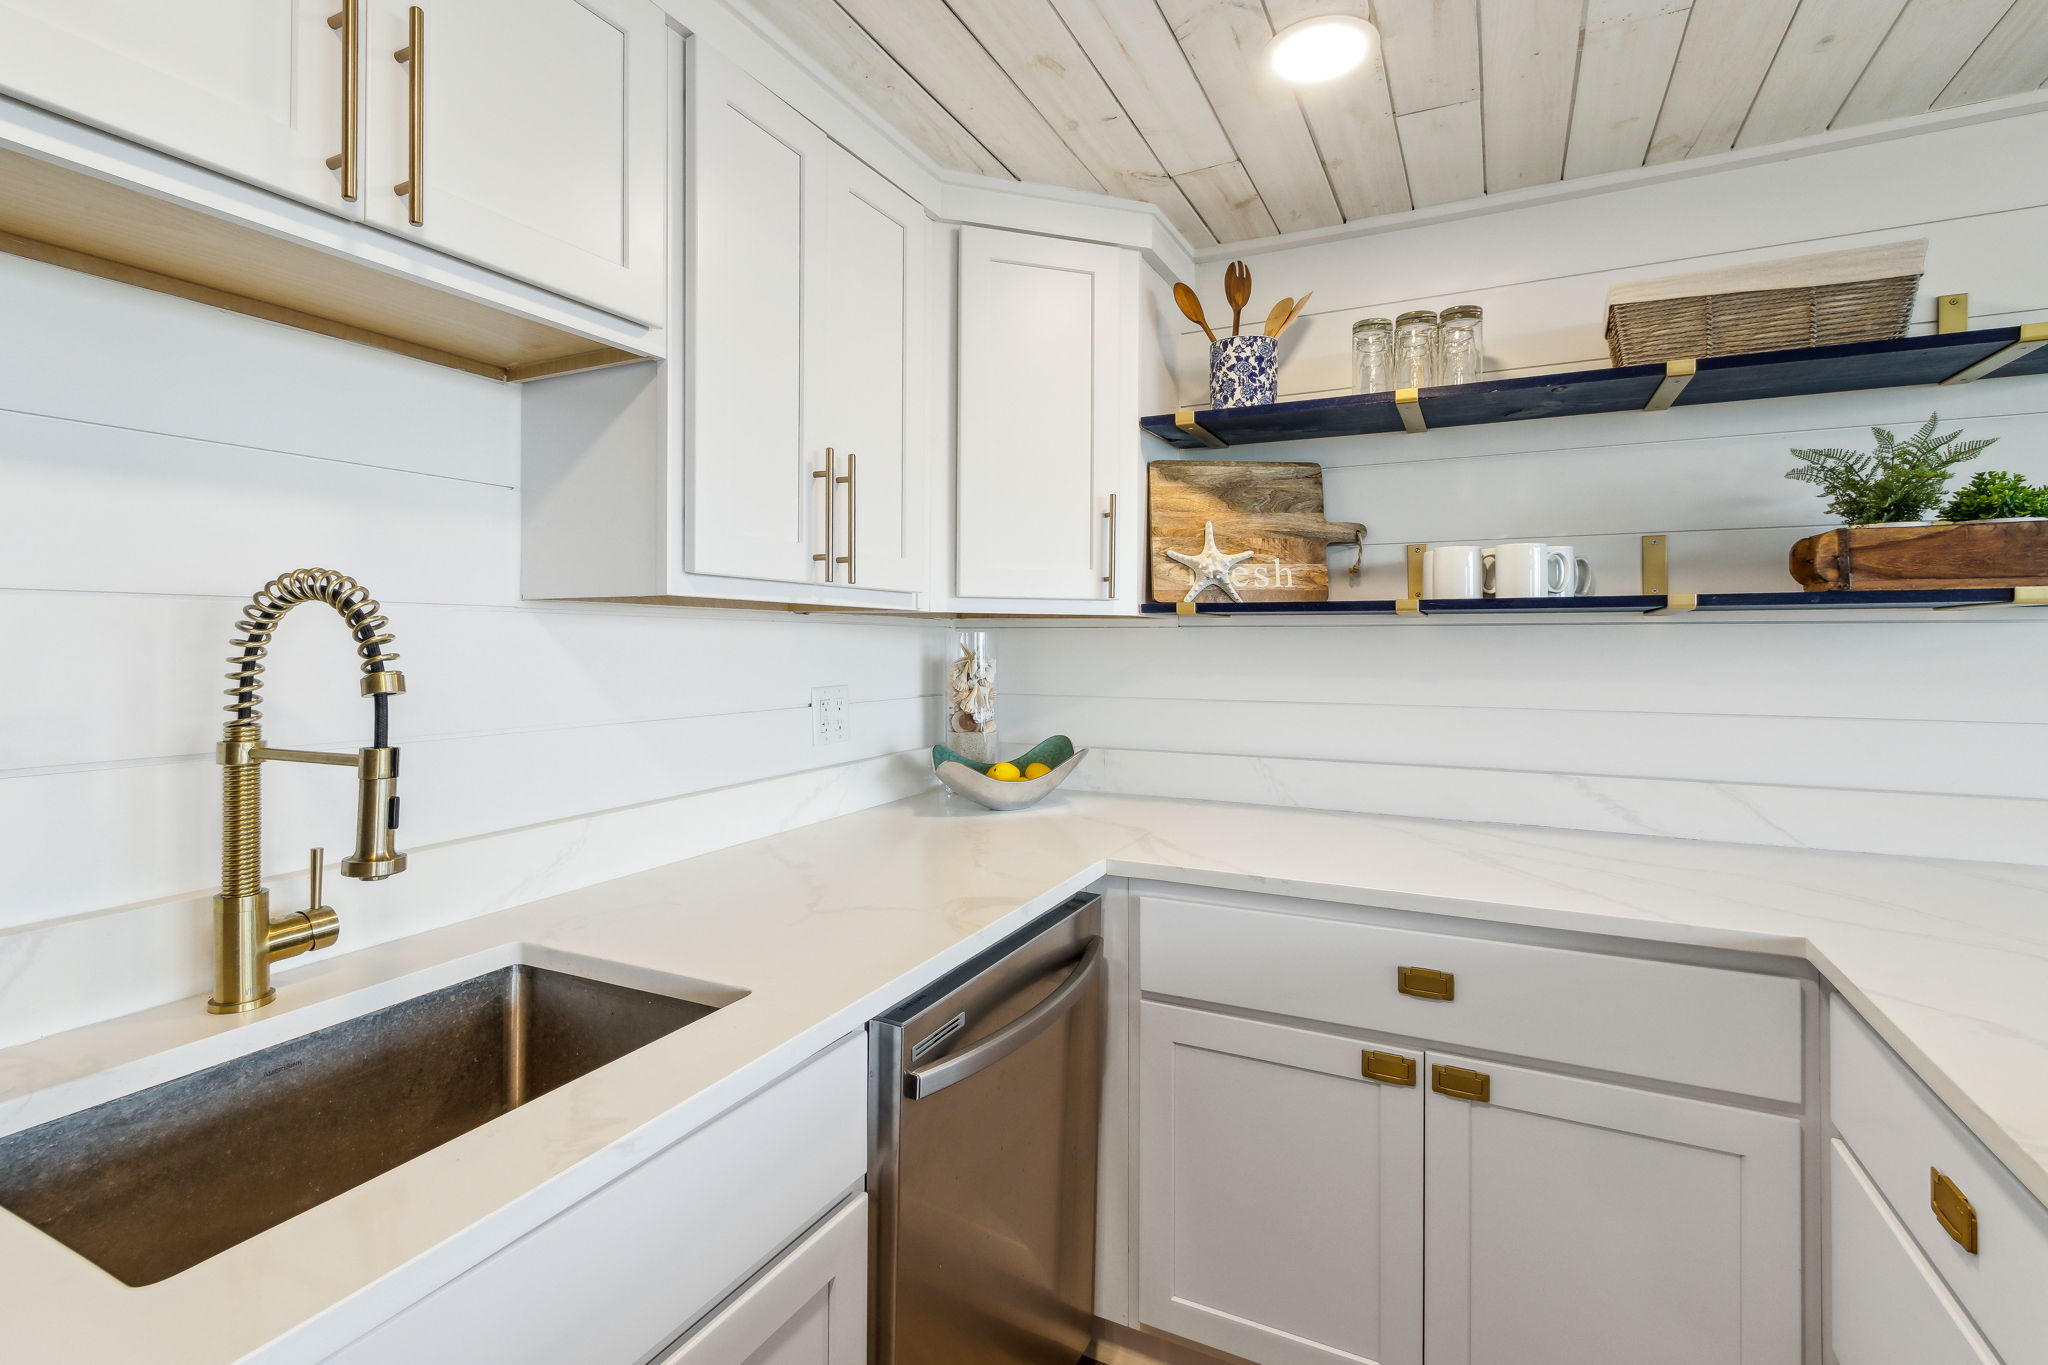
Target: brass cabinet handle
{"x": 852, "y": 521}
{"x": 1953, "y": 1211}
{"x": 1109, "y": 565}
{"x": 830, "y": 475}
{"x": 349, "y": 21}
{"x": 1426, "y": 983}
{"x": 1388, "y": 1068}
{"x": 414, "y": 55}
{"x": 1461, "y": 1083}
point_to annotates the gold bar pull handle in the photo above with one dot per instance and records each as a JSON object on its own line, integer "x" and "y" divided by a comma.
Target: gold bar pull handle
{"x": 852, "y": 522}
{"x": 414, "y": 56}
{"x": 1953, "y": 1211}
{"x": 1109, "y": 550}
{"x": 1427, "y": 983}
{"x": 830, "y": 474}
{"x": 1388, "y": 1068}
{"x": 348, "y": 21}
{"x": 1461, "y": 1083}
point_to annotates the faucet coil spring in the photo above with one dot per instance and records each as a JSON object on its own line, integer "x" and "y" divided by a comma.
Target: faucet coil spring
{"x": 360, "y": 611}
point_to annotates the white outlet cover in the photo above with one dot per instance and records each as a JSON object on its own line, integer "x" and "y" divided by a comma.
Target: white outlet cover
{"x": 830, "y": 722}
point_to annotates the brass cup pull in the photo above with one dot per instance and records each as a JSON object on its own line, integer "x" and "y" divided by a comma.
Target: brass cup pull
{"x": 1426, "y": 983}
{"x": 1461, "y": 1083}
{"x": 1109, "y": 550}
{"x": 414, "y": 56}
{"x": 1953, "y": 1211}
{"x": 852, "y": 519}
{"x": 348, "y": 21}
{"x": 1388, "y": 1068}
{"x": 830, "y": 474}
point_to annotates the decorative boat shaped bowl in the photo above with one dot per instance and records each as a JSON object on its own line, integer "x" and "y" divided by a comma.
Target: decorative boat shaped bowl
{"x": 971, "y": 780}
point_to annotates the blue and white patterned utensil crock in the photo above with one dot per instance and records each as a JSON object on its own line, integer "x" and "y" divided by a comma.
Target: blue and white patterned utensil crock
{"x": 1242, "y": 372}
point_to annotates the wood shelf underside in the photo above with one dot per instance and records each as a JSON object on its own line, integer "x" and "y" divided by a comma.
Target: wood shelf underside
{"x": 1644, "y": 604}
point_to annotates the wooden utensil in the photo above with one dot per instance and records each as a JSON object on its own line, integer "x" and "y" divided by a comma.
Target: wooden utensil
{"x": 1237, "y": 291}
{"x": 1295, "y": 311}
{"x": 1277, "y": 319}
{"x": 1191, "y": 308}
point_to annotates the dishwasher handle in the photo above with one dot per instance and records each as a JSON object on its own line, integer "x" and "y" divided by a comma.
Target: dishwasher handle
{"x": 930, "y": 1080}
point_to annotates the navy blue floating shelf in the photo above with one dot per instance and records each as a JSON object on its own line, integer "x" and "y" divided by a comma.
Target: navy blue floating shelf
{"x": 1550, "y": 606}
{"x": 1628, "y": 388}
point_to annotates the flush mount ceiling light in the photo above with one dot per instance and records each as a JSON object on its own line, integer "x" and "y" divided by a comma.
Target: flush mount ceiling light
{"x": 1321, "y": 49}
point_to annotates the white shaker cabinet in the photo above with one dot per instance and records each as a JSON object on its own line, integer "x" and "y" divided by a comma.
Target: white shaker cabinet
{"x": 1048, "y": 499}
{"x": 809, "y": 1308}
{"x": 252, "y": 88}
{"x": 1280, "y": 1191}
{"x": 1576, "y": 1222}
{"x": 1887, "y": 1303}
{"x": 530, "y": 137}
{"x": 805, "y": 298}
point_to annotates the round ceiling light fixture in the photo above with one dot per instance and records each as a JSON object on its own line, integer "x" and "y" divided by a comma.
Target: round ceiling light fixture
{"x": 1321, "y": 49}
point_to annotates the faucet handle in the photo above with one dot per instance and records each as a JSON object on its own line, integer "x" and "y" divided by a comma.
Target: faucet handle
{"x": 316, "y": 874}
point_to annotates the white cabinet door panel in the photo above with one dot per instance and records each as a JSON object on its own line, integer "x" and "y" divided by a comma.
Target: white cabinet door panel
{"x": 759, "y": 180}
{"x": 248, "y": 87}
{"x": 1573, "y": 1222}
{"x": 1047, "y": 387}
{"x": 1888, "y": 1304}
{"x": 809, "y": 1308}
{"x": 1280, "y": 1193}
{"x": 545, "y": 140}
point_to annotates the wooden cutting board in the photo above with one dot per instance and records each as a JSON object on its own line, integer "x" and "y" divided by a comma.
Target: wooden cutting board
{"x": 1970, "y": 554}
{"x": 1274, "y": 510}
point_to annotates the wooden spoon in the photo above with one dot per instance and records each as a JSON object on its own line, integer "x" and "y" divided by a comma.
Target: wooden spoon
{"x": 1191, "y": 307}
{"x": 1237, "y": 291}
{"x": 1295, "y": 311}
{"x": 1277, "y": 319}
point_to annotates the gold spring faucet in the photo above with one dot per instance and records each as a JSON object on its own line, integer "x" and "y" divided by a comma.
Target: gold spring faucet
{"x": 246, "y": 940}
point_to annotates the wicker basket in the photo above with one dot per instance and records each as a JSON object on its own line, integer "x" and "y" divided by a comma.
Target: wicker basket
{"x": 1864, "y": 294}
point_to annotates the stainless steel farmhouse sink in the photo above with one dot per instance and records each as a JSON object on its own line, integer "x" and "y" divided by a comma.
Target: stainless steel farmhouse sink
{"x": 159, "y": 1180}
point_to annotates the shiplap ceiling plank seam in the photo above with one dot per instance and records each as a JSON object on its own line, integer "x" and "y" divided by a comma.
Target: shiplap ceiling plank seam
{"x": 842, "y": 46}
{"x": 1352, "y": 121}
{"x": 930, "y": 42}
{"x": 1528, "y": 64}
{"x": 1630, "y": 48}
{"x": 1826, "y": 50}
{"x": 1028, "y": 39}
{"x": 1432, "y": 55}
{"x": 2012, "y": 58}
{"x": 1728, "y": 49}
{"x": 1919, "y": 57}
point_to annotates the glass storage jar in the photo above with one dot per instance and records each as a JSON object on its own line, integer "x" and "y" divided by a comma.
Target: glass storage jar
{"x": 1372, "y": 355}
{"x": 1461, "y": 344}
{"x": 1416, "y": 361}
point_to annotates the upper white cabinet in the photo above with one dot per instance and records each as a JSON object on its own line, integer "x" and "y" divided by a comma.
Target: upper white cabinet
{"x": 804, "y": 300}
{"x": 529, "y": 137}
{"x": 1048, "y": 509}
{"x": 249, "y": 87}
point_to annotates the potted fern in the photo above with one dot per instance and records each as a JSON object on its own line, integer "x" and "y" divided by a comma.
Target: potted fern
{"x": 1995, "y": 531}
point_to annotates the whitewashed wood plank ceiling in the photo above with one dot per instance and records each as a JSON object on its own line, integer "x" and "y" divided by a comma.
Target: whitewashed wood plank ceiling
{"x": 1170, "y": 101}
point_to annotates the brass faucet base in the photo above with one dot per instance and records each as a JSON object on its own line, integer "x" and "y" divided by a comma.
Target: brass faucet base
{"x": 215, "y": 1006}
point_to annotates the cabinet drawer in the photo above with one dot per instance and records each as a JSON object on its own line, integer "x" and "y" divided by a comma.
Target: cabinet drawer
{"x": 1901, "y": 1133}
{"x": 809, "y": 1308}
{"x": 610, "y": 1279}
{"x": 1723, "y": 1030}
{"x": 1888, "y": 1304}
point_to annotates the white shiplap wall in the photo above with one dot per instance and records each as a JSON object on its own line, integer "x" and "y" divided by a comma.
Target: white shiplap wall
{"x": 158, "y": 461}
{"x": 1926, "y": 733}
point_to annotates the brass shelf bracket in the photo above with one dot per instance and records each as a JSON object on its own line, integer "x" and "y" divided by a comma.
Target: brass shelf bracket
{"x": 1416, "y": 555}
{"x": 2033, "y": 336}
{"x": 1656, "y": 566}
{"x": 1952, "y": 313}
{"x": 1184, "y": 418}
{"x": 2035, "y": 596}
{"x": 1677, "y": 374}
{"x": 1408, "y": 606}
{"x": 1408, "y": 402}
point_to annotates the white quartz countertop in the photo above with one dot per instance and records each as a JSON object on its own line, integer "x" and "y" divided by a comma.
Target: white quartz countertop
{"x": 827, "y": 925}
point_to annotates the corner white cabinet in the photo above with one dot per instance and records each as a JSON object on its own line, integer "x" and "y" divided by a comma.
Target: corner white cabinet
{"x": 1576, "y": 1222}
{"x": 1887, "y": 1302}
{"x": 1048, "y": 508}
{"x": 248, "y": 87}
{"x": 1280, "y": 1192}
{"x": 542, "y": 140}
{"x": 809, "y": 1308}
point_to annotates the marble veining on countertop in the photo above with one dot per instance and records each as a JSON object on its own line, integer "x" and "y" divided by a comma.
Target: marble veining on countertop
{"x": 826, "y": 925}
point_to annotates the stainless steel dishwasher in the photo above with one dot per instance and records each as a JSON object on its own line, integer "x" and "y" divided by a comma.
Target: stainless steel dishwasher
{"x": 988, "y": 1094}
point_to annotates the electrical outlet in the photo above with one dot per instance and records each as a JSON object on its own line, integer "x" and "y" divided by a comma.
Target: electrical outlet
{"x": 830, "y": 723}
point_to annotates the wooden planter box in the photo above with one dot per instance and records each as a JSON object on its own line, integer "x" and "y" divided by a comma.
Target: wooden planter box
{"x": 1969, "y": 554}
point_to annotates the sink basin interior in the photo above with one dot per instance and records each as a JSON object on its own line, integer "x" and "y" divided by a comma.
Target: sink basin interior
{"x": 157, "y": 1181}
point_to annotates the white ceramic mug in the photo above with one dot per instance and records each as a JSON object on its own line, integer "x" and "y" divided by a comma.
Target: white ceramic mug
{"x": 1453, "y": 571}
{"x": 1523, "y": 568}
{"x": 1575, "y": 575}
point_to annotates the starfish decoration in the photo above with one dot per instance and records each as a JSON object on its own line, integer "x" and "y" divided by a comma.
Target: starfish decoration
{"x": 1211, "y": 568}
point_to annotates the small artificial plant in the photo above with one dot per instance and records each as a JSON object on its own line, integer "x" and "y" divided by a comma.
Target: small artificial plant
{"x": 1899, "y": 481}
{"x": 1996, "y": 493}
